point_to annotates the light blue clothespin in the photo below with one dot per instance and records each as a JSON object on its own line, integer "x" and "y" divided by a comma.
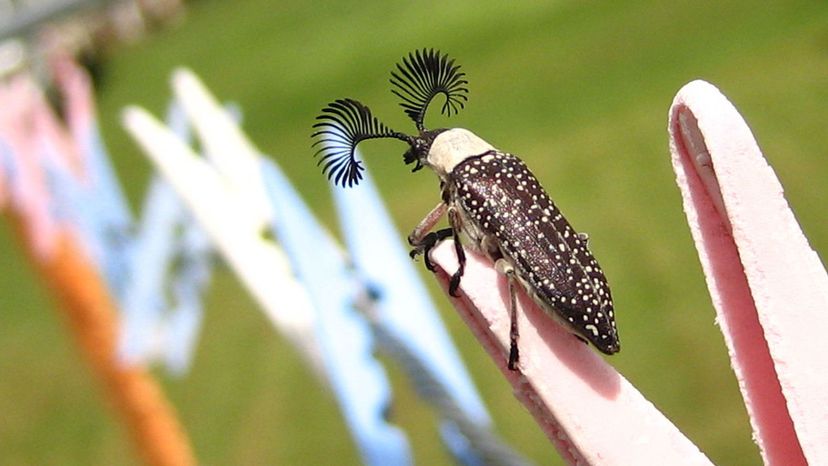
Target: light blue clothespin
{"x": 65, "y": 195}
{"x": 71, "y": 201}
{"x": 190, "y": 277}
{"x": 170, "y": 258}
{"x": 408, "y": 326}
{"x": 143, "y": 302}
{"x": 401, "y": 318}
{"x": 110, "y": 231}
{"x": 346, "y": 340}
{"x": 405, "y": 308}
{"x": 189, "y": 270}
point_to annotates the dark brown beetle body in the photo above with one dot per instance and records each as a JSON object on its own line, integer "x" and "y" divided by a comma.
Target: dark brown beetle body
{"x": 509, "y": 216}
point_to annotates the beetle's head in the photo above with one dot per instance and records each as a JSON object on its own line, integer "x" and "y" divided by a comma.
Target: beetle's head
{"x": 420, "y": 77}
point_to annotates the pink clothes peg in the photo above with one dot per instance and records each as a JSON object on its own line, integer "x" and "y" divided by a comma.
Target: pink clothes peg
{"x": 27, "y": 187}
{"x": 769, "y": 288}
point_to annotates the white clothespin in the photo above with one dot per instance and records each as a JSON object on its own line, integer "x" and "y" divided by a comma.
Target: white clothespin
{"x": 226, "y": 195}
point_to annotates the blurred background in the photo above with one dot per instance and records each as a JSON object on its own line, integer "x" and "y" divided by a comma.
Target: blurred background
{"x": 579, "y": 90}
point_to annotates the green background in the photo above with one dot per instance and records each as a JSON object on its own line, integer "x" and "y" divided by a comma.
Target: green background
{"x": 580, "y": 90}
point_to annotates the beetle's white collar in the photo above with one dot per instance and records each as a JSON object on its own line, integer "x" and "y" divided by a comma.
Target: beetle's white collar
{"x": 452, "y": 147}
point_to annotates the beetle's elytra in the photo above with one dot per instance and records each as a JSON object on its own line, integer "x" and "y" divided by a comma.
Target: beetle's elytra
{"x": 489, "y": 195}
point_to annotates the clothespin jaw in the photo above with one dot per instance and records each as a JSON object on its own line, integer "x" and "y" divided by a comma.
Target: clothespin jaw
{"x": 104, "y": 215}
{"x": 405, "y": 307}
{"x": 170, "y": 266}
{"x": 346, "y": 340}
{"x": 581, "y": 402}
{"x": 27, "y": 187}
{"x": 408, "y": 326}
{"x": 763, "y": 277}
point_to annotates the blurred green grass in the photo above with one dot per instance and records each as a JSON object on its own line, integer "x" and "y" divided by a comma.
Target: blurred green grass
{"x": 579, "y": 90}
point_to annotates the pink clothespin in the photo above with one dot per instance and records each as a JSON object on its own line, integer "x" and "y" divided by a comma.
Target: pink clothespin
{"x": 27, "y": 189}
{"x": 77, "y": 91}
{"x": 591, "y": 413}
{"x": 769, "y": 287}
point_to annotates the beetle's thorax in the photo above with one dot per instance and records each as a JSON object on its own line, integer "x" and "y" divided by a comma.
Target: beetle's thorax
{"x": 452, "y": 147}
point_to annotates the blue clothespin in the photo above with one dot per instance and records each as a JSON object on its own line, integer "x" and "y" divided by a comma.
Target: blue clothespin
{"x": 357, "y": 378}
{"x": 189, "y": 270}
{"x": 143, "y": 302}
{"x": 39, "y": 138}
{"x": 405, "y": 307}
{"x": 400, "y": 317}
{"x": 111, "y": 221}
{"x": 409, "y": 326}
{"x": 72, "y": 202}
{"x": 190, "y": 278}
{"x": 65, "y": 193}
{"x": 170, "y": 253}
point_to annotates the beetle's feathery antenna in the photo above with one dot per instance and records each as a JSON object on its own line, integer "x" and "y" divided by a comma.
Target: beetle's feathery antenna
{"x": 422, "y": 76}
{"x": 343, "y": 124}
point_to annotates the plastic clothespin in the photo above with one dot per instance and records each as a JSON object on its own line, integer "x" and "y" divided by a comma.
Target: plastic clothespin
{"x": 77, "y": 204}
{"x": 192, "y": 275}
{"x": 768, "y": 286}
{"x": 169, "y": 252}
{"x": 347, "y": 343}
{"x": 190, "y": 270}
{"x": 406, "y": 315}
{"x": 26, "y": 184}
{"x": 143, "y": 303}
{"x": 38, "y": 177}
{"x": 591, "y": 413}
{"x": 222, "y": 192}
{"x": 763, "y": 277}
{"x": 112, "y": 228}
{"x": 70, "y": 200}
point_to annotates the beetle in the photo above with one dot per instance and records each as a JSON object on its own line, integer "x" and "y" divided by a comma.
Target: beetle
{"x": 489, "y": 196}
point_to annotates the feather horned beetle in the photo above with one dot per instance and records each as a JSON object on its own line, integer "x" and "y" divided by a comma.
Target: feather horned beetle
{"x": 488, "y": 195}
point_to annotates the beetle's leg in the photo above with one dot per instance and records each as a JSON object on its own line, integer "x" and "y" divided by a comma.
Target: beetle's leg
{"x": 427, "y": 243}
{"x": 422, "y": 239}
{"x": 506, "y": 268}
{"x": 456, "y": 226}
